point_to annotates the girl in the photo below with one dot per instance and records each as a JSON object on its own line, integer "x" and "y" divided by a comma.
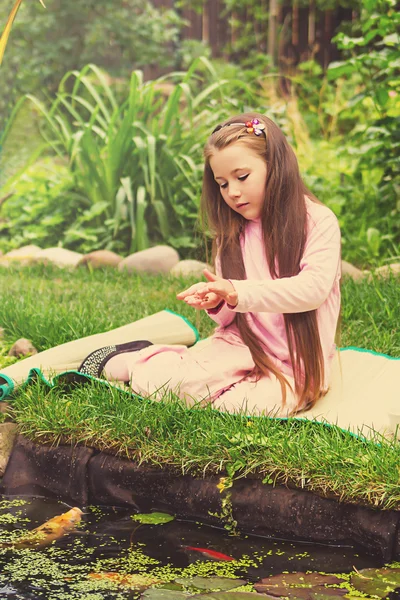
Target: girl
{"x": 275, "y": 296}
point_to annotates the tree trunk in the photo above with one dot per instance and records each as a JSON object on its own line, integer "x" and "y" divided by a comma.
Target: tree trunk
{"x": 272, "y": 25}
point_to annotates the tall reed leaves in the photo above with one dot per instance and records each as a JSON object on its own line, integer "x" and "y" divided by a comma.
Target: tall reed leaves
{"x": 137, "y": 160}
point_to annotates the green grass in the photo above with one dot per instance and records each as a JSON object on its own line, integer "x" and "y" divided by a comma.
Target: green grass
{"x": 51, "y": 306}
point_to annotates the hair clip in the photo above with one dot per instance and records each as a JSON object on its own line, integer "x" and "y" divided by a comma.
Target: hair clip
{"x": 255, "y": 126}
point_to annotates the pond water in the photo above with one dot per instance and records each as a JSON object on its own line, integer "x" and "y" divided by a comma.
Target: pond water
{"x": 82, "y": 564}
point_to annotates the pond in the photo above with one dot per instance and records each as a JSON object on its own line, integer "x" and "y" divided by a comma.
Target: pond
{"x": 113, "y": 556}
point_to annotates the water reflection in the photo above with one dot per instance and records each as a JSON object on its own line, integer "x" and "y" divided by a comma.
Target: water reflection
{"x": 109, "y": 540}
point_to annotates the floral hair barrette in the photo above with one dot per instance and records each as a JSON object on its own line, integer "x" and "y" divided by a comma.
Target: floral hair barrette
{"x": 254, "y": 126}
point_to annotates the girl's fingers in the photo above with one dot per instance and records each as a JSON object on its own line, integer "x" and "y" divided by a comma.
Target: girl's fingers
{"x": 217, "y": 288}
{"x": 210, "y": 276}
{"x": 196, "y": 287}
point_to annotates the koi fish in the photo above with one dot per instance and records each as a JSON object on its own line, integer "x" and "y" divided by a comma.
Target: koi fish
{"x": 52, "y": 530}
{"x": 209, "y": 553}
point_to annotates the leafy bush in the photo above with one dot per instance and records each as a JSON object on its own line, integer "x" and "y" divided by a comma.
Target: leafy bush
{"x": 374, "y": 54}
{"x": 42, "y": 204}
{"x": 136, "y": 165}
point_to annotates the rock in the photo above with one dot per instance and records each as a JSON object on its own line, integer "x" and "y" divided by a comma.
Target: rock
{"x": 349, "y": 270}
{"x": 4, "y": 407}
{"x": 159, "y": 259}
{"x": 387, "y": 270}
{"x": 24, "y": 256}
{"x": 8, "y": 433}
{"x": 190, "y": 268}
{"x": 22, "y": 347}
{"x": 61, "y": 257}
{"x": 1, "y": 333}
{"x": 100, "y": 258}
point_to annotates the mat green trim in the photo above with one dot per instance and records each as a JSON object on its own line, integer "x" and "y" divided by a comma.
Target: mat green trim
{"x": 365, "y": 350}
{"x": 7, "y": 388}
{"x": 72, "y": 377}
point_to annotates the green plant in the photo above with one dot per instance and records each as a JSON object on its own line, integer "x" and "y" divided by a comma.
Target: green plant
{"x": 373, "y": 52}
{"x": 42, "y": 204}
{"x": 369, "y": 233}
{"x": 137, "y": 163}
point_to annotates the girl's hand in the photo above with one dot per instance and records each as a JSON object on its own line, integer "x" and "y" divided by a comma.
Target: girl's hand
{"x": 210, "y": 295}
{"x": 195, "y": 298}
{"x": 222, "y": 287}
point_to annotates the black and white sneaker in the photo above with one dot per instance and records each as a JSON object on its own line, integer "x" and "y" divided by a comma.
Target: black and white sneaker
{"x": 95, "y": 362}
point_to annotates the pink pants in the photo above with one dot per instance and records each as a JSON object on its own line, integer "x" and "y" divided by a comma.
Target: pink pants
{"x": 214, "y": 371}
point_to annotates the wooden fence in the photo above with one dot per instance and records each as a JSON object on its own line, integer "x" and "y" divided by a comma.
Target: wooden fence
{"x": 291, "y": 35}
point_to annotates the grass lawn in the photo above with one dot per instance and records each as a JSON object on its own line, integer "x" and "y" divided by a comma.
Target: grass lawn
{"x": 50, "y": 306}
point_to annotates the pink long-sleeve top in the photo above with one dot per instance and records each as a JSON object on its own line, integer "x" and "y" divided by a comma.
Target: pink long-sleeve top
{"x": 265, "y": 300}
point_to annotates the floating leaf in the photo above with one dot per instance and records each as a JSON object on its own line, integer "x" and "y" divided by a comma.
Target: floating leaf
{"x": 229, "y": 596}
{"x": 376, "y": 582}
{"x": 163, "y": 594}
{"x": 211, "y": 583}
{"x": 155, "y": 518}
{"x": 310, "y": 586}
{"x": 137, "y": 582}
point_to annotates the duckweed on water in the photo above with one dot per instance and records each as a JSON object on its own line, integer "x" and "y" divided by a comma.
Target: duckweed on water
{"x": 114, "y": 558}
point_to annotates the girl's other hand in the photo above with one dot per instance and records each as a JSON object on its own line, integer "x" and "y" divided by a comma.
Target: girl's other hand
{"x": 222, "y": 287}
{"x": 210, "y": 295}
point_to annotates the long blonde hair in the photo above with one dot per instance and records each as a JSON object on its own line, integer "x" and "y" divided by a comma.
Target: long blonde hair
{"x": 284, "y": 228}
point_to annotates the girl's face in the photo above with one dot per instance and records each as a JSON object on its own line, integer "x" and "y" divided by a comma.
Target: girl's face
{"x": 241, "y": 175}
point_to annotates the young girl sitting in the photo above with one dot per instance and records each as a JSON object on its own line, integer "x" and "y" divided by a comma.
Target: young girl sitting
{"x": 275, "y": 295}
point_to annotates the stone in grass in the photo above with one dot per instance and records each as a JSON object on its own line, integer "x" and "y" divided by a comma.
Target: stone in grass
{"x": 22, "y": 347}
{"x": 349, "y": 270}
{"x": 190, "y": 268}
{"x": 376, "y": 582}
{"x": 99, "y": 259}
{"x": 61, "y": 257}
{"x": 159, "y": 259}
{"x": 23, "y": 256}
{"x": 310, "y": 586}
{"x": 387, "y": 270}
{"x": 8, "y": 433}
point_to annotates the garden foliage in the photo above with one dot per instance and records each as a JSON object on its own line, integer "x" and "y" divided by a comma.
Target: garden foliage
{"x": 128, "y": 165}
{"x": 373, "y": 52}
{"x": 134, "y": 159}
{"x": 67, "y": 35}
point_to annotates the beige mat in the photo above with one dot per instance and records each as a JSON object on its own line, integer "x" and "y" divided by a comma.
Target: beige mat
{"x": 365, "y": 391}
{"x": 164, "y": 327}
{"x": 364, "y": 394}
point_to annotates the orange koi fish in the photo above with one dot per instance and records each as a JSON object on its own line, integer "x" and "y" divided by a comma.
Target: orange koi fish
{"x": 52, "y": 530}
{"x": 209, "y": 553}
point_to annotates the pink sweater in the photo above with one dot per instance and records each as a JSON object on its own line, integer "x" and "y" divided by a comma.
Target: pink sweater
{"x": 265, "y": 300}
